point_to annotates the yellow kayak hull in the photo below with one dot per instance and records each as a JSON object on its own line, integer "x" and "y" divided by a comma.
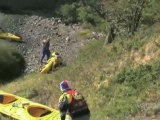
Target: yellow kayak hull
{"x": 54, "y": 60}
{"x": 46, "y": 68}
{"x": 24, "y": 109}
{"x": 10, "y": 36}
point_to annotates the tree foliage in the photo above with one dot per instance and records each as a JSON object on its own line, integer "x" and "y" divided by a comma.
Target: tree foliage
{"x": 135, "y": 14}
{"x": 81, "y": 11}
{"x": 68, "y": 12}
{"x": 126, "y": 15}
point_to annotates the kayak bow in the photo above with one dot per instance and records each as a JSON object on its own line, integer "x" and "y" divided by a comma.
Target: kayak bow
{"x": 10, "y": 36}
{"x": 24, "y": 109}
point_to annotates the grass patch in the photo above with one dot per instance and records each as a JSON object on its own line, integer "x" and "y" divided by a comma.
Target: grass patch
{"x": 91, "y": 52}
{"x": 127, "y": 91}
{"x": 85, "y": 32}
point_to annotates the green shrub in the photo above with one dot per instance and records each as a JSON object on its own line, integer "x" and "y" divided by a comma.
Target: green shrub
{"x": 133, "y": 44}
{"x": 141, "y": 77}
{"x": 127, "y": 91}
{"x": 79, "y": 12}
{"x": 151, "y": 13}
{"x": 68, "y": 12}
{"x": 87, "y": 15}
{"x": 12, "y": 63}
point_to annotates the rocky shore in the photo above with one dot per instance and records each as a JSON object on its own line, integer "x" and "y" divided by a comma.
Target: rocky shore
{"x": 65, "y": 39}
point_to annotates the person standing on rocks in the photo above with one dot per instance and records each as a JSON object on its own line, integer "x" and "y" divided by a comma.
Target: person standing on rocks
{"x": 45, "y": 49}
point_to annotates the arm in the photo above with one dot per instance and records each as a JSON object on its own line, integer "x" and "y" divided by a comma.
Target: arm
{"x": 63, "y": 107}
{"x": 43, "y": 44}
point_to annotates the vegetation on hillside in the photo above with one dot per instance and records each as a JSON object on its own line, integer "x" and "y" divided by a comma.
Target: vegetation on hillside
{"x": 11, "y": 61}
{"x": 119, "y": 79}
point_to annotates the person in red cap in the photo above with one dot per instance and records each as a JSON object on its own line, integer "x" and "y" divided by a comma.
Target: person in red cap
{"x": 73, "y": 103}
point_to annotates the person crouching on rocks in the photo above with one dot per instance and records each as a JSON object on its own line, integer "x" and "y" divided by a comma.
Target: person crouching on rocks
{"x": 45, "y": 49}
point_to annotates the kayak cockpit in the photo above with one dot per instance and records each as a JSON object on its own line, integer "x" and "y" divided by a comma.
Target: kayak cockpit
{"x": 7, "y": 99}
{"x": 37, "y": 111}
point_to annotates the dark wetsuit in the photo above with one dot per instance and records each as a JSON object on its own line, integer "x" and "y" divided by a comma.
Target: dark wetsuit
{"x": 45, "y": 50}
{"x": 74, "y": 103}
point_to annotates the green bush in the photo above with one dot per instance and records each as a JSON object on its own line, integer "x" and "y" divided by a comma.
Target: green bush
{"x": 141, "y": 77}
{"x": 151, "y": 13}
{"x": 69, "y": 12}
{"x": 12, "y": 63}
{"x": 85, "y": 15}
{"x": 127, "y": 91}
{"x": 88, "y": 15}
{"x": 133, "y": 44}
{"x": 79, "y": 11}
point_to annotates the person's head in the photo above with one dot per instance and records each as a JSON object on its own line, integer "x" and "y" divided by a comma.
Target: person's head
{"x": 44, "y": 41}
{"x": 65, "y": 85}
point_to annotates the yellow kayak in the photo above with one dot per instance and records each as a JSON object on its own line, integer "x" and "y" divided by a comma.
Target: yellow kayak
{"x": 10, "y": 36}
{"x": 24, "y": 109}
{"x": 54, "y": 60}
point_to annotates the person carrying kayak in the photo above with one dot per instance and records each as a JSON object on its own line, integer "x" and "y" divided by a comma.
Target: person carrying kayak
{"x": 73, "y": 103}
{"x": 45, "y": 49}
